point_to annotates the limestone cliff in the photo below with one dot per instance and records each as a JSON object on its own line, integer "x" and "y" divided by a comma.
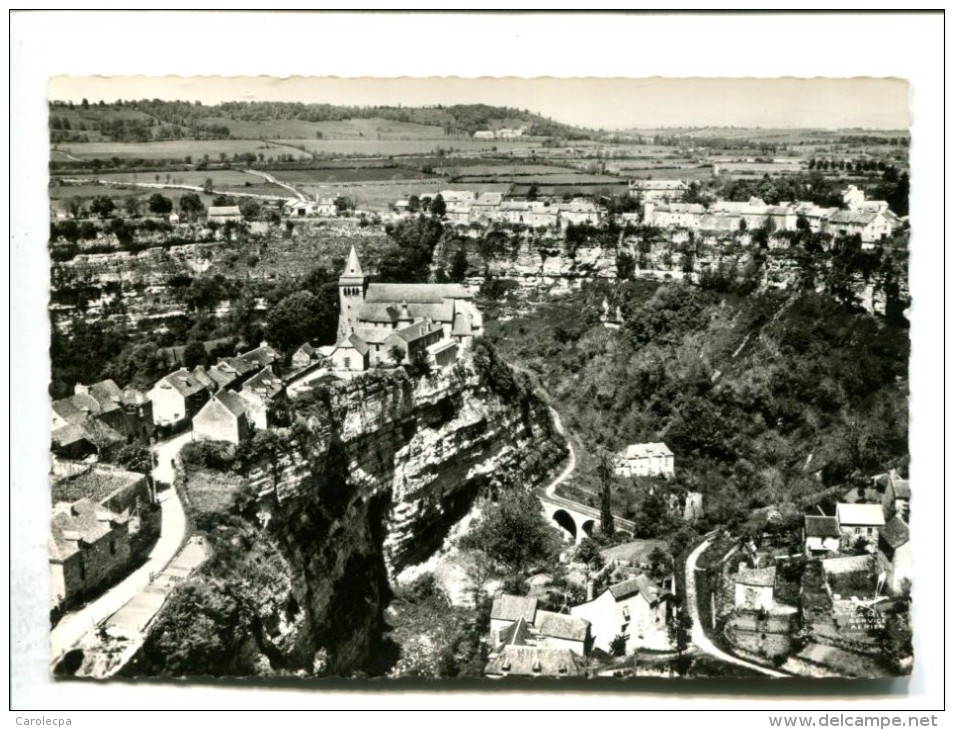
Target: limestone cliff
{"x": 383, "y": 467}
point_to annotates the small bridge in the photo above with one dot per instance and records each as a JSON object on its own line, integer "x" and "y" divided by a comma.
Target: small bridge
{"x": 576, "y": 519}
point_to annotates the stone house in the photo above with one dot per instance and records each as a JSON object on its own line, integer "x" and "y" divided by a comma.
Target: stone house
{"x": 176, "y": 398}
{"x": 263, "y": 356}
{"x": 351, "y": 354}
{"x": 636, "y": 609}
{"x": 89, "y": 550}
{"x": 442, "y": 353}
{"x": 859, "y": 521}
{"x": 263, "y": 394}
{"x": 223, "y": 418}
{"x": 755, "y": 588}
{"x": 645, "y": 460}
{"x": 515, "y": 660}
{"x": 562, "y": 631}
{"x": 413, "y": 340}
{"x": 507, "y": 610}
{"x": 304, "y": 356}
{"x": 659, "y": 190}
{"x": 224, "y": 213}
{"x": 894, "y": 555}
{"x": 517, "y": 619}
{"x": 821, "y": 535}
{"x": 897, "y": 496}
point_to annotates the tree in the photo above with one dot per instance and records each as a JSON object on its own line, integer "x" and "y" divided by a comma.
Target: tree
{"x": 250, "y": 209}
{"x": 74, "y": 206}
{"x": 159, "y": 204}
{"x": 625, "y": 265}
{"x": 458, "y": 269}
{"x": 618, "y": 645}
{"x": 419, "y": 366}
{"x": 397, "y": 354}
{"x": 680, "y": 633}
{"x": 413, "y": 204}
{"x": 514, "y": 534}
{"x": 102, "y": 205}
{"x": 296, "y": 319}
{"x": 533, "y": 192}
{"x": 604, "y": 472}
{"x": 133, "y": 207}
{"x": 134, "y": 457}
{"x": 194, "y": 354}
{"x": 438, "y": 206}
{"x": 343, "y": 205}
{"x": 190, "y": 206}
{"x": 589, "y": 552}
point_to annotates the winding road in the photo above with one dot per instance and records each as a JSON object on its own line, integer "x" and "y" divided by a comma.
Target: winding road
{"x": 699, "y": 638}
{"x": 74, "y": 625}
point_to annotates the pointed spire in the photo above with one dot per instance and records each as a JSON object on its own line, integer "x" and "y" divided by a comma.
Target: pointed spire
{"x": 354, "y": 266}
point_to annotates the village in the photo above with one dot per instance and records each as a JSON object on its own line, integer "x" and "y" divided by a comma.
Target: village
{"x": 632, "y": 365}
{"x": 808, "y": 596}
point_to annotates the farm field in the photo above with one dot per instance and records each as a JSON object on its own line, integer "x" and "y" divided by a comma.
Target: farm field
{"x": 373, "y": 128}
{"x": 347, "y": 174}
{"x": 369, "y": 147}
{"x": 184, "y": 177}
{"x": 669, "y": 173}
{"x": 617, "y": 187}
{"x": 564, "y": 178}
{"x": 177, "y": 149}
{"x": 60, "y": 193}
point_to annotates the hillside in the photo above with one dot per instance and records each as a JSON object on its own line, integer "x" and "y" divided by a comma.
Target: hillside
{"x": 155, "y": 120}
{"x": 765, "y": 399}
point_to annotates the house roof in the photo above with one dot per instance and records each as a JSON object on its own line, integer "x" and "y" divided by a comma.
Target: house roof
{"x": 416, "y": 331}
{"x": 561, "y": 626}
{"x": 853, "y": 217}
{"x": 395, "y": 294}
{"x": 66, "y": 409}
{"x": 516, "y": 634}
{"x": 489, "y": 198}
{"x": 355, "y": 341}
{"x": 658, "y": 185}
{"x": 306, "y": 349}
{"x": 463, "y": 325}
{"x": 640, "y": 584}
{"x": 757, "y": 577}
{"x": 264, "y": 381}
{"x": 860, "y": 514}
{"x": 239, "y": 364}
{"x": 819, "y": 526}
{"x": 896, "y": 532}
{"x": 374, "y": 335}
{"x": 901, "y": 487}
{"x": 76, "y": 523}
{"x": 102, "y": 435}
{"x": 535, "y": 661}
{"x": 440, "y": 346}
{"x": 847, "y": 564}
{"x": 645, "y": 451}
{"x": 182, "y": 381}
{"x": 509, "y": 608}
{"x": 233, "y": 402}
{"x": 69, "y": 434}
{"x": 262, "y": 355}
{"x": 107, "y": 395}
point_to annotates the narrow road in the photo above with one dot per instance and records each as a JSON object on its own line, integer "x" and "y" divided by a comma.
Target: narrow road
{"x": 275, "y": 181}
{"x": 699, "y": 637}
{"x": 73, "y": 626}
{"x": 570, "y": 462}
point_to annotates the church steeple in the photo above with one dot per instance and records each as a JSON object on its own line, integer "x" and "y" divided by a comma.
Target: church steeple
{"x": 352, "y": 286}
{"x": 353, "y": 267}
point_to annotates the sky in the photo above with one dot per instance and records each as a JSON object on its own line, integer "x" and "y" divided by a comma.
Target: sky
{"x": 607, "y": 103}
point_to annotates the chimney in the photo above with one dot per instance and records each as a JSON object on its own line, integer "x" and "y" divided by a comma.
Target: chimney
{"x": 590, "y": 584}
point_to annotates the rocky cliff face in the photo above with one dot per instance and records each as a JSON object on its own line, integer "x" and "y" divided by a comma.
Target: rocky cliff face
{"x": 385, "y": 465}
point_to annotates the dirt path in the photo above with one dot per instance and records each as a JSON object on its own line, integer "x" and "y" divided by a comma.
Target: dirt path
{"x": 699, "y": 638}
{"x": 275, "y": 181}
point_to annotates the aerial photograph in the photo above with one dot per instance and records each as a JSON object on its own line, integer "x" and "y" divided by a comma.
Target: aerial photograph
{"x": 479, "y": 379}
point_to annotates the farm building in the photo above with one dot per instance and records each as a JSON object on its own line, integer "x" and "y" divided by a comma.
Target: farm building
{"x": 224, "y": 213}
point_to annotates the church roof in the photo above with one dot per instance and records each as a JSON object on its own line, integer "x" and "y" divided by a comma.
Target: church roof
{"x": 440, "y": 311}
{"x": 415, "y": 293}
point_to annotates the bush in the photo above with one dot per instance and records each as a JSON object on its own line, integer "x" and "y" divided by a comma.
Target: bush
{"x": 218, "y": 455}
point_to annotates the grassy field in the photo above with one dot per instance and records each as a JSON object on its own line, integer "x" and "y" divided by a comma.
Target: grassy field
{"x": 185, "y": 177}
{"x": 60, "y": 193}
{"x": 670, "y": 173}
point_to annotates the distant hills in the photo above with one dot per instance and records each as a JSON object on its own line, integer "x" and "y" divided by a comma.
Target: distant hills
{"x": 157, "y": 120}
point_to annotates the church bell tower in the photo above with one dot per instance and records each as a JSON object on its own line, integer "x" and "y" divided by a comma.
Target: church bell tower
{"x": 352, "y": 286}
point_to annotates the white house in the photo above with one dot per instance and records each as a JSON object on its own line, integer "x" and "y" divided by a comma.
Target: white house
{"x": 659, "y": 190}
{"x": 645, "y": 460}
{"x": 351, "y": 354}
{"x": 894, "y": 556}
{"x": 859, "y": 521}
{"x": 223, "y": 418}
{"x": 176, "y": 398}
{"x": 636, "y": 609}
{"x": 561, "y": 631}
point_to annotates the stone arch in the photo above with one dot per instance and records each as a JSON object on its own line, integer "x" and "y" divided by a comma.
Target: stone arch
{"x": 587, "y": 527}
{"x": 565, "y": 520}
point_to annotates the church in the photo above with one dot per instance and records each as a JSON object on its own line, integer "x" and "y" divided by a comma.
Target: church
{"x": 411, "y": 317}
